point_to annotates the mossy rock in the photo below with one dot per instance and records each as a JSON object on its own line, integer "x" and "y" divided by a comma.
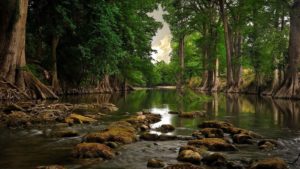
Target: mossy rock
{"x": 189, "y": 156}
{"x": 165, "y": 128}
{"x": 215, "y": 124}
{"x": 270, "y": 163}
{"x": 76, "y": 118}
{"x": 213, "y": 144}
{"x": 212, "y": 132}
{"x": 121, "y": 132}
{"x": 155, "y": 163}
{"x": 93, "y": 150}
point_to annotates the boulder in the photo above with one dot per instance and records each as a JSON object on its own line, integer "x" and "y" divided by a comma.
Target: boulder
{"x": 242, "y": 139}
{"x": 215, "y": 124}
{"x": 215, "y": 159}
{"x": 155, "y": 163}
{"x": 268, "y": 144}
{"x": 189, "y": 156}
{"x": 212, "y": 132}
{"x": 93, "y": 150}
{"x": 270, "y": 163}
{"x": 165, "y": 128}
{"x": 213, "y": 144}
{"x": 76, "y": 118}
{"x": 121, "y": 132}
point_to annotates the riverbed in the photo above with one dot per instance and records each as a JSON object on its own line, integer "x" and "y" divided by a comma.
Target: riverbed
{"x": 276, "y": 119}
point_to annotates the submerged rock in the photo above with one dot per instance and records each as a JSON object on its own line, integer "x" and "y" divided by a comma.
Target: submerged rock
{"x": 270, "y": 163}
{"x": 155, "y": 163}
{"x": 93, "y": 150}
{"x": 165, "y": 128}
{"x": 213, "y": 144}
{"x": 189, "y": 156}
{"x": 76, "y": 118}
{"x": 183, "y": 166}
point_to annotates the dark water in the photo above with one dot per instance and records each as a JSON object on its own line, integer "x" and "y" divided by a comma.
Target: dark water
{"x": 277, "y": 119}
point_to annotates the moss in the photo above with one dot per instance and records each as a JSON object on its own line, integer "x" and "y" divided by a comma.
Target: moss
{"x": 189, "y": 156}
{"x": 93, "y": 150}
{"x": 213, "y": 144}
{"x": 212, "y": 132}
{"x": 121, "y": 132}
{"x": 76, "y": 118}
{"x": 270, "y": 163}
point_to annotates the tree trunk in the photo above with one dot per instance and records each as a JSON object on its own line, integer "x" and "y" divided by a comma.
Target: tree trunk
{"x": 227, "y": 44}
{"x": 104, "y": 85}
{"x": 55, "y": 82}
{"x": 12, "y": 55}
{"x": 290, "y": 86}
{"x": 181, "y": 62}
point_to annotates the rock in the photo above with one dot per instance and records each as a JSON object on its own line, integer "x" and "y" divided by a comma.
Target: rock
{"x": 144, "y": 128}
{"x": 212, "y": 133}
{"x": 268, "y": 144}
{"x": 192, "y": 114}
{"x": 154, "y": 163}
{"x": 112, "y": 144}
{"x": 242, "y": 139}
{"x": 183, "y": 166}
{"x": 143, "y": 119}
{"x": 215, "y": 124}
{"x": 189, "y": 156}
{"x": 121, "y": 132}
{"x": 93, "y": 150}
{"x": 12, "y": 107}
{"x": 236, "y": 130}
{"x": 213, "y": 144}
{"x": 174, "y": 112}
{"x": 202, "y": 151}
{"x": 155, "y": 137}
{"x": 165, "y": 128}
{"x": 108, "y": 107}
{"x": 215, "y": 159}
{"x": 66, "y": 133}
{"x": 76, "y": 118}
{"x": 18, "y": 119}
{"x": 51, "y": 167}
{"x": 49, "y": 115}
{"x": 270, "y": 163}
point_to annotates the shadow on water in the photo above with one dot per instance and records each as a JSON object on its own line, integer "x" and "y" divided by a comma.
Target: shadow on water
{"x": 278, "y": 119}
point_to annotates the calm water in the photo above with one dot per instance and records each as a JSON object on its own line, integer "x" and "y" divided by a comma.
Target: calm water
{"x": 280, "y": 120}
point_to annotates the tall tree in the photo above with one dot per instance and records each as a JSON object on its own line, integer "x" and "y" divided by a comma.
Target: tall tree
{"x": 290, "y": 87}
{"x": 13, "y": 16}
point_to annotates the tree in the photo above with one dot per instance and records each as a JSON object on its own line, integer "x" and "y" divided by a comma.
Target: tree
{"x": 290, "y": 86}
{"x": 13, "y": 69}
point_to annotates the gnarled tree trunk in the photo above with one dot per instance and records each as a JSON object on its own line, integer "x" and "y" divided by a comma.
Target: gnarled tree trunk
{"x": 290, "y": 86}
{"x": 13, "y": 70}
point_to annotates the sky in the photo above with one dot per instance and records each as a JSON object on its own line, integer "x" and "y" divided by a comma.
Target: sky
{"x": 161, "y": 42}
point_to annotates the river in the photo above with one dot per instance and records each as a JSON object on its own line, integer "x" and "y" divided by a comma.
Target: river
{"x": 276, "y": 119}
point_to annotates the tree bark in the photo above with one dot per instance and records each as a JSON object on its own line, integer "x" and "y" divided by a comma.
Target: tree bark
{"x": 227, "y": 44}
{"x": 181, "y": 62}
{"x": 290, "y": 86}
{"x": 12, "y": 55}
{"x": 55, "y": 82}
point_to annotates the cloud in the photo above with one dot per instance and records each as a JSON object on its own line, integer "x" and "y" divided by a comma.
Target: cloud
{"x": 163, "y": 49}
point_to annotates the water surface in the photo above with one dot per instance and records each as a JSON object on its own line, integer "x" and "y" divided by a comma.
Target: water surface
{"x": 277, "y": 119}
